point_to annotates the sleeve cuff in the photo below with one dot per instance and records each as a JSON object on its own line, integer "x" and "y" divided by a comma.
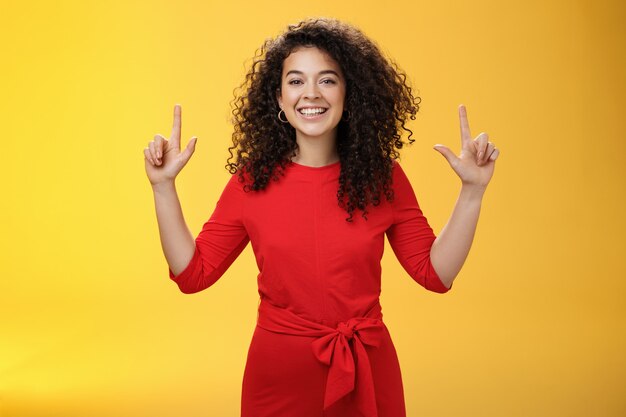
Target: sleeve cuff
{"x": 435, "y": 284}
{"x": 189, "y": 269}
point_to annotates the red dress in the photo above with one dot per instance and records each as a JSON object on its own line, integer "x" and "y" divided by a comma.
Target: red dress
{"x": 320, "y": 347}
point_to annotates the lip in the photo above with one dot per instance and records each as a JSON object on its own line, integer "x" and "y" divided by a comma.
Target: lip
{"x": 311, "y": 107}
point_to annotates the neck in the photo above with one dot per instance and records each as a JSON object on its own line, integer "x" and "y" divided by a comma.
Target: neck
{"x": 316, "y": 151}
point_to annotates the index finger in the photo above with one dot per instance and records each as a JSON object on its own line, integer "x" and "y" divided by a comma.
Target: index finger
{"x": 466, "y": 136}
{"x": 175, "y": 138}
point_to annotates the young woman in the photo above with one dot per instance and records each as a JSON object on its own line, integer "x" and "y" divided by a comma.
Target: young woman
{"x": 317, "y": 125}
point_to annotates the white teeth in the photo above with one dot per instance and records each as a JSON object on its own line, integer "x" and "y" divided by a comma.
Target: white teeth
{"x": 311, "y": 112}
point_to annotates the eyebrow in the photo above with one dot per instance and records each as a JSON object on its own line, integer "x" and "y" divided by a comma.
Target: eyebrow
{"x": 320, "y": 73}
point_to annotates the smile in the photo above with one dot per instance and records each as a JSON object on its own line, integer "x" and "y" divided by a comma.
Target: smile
{"x": 312, "y": 112}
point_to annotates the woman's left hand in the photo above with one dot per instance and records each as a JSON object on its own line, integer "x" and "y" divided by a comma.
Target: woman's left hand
{"x": 477, "y": 160}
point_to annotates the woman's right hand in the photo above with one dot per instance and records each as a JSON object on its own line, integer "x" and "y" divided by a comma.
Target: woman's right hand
{"x": 163, "y": 158}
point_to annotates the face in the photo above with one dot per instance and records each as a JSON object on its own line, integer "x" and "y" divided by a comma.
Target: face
{"x": 312, "y": 93}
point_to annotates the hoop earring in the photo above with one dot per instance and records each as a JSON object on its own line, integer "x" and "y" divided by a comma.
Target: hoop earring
{"x": 283, "y": 121}
{"x": 346, "y": 118}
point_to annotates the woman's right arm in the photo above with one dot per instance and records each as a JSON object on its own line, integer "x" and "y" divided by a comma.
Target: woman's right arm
{"x": 163, "y": 161}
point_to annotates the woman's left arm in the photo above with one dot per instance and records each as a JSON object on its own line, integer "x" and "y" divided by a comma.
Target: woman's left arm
{"x": 474, "y": 166}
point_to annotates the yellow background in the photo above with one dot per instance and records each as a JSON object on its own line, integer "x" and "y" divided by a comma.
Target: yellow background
{"x": 91, "y": 325}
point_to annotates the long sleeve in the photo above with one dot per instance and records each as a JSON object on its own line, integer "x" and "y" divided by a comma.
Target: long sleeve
{"x": 410, "y": 235}
{"x": 222, "y": 238}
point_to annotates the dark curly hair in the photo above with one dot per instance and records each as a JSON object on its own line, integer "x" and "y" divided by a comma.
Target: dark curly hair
{"x": 378, "y": 100}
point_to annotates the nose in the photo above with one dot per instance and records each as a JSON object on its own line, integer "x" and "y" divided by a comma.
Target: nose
{"x": 311, "y": 91}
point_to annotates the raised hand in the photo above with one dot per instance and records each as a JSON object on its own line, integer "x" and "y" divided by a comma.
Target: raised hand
{"x": 476, "y": 162}
{"x": 163, "y": 158}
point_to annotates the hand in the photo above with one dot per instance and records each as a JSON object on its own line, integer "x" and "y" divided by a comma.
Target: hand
{"x": 476, "y": 163}
{"x": 163, "y": 158}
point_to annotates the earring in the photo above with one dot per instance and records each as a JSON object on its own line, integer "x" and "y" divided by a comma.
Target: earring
{"x": 284, "y": 121}
{"x": 345, "y": 119}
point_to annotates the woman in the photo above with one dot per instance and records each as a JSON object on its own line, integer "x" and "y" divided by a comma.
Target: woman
{"x": 317, "y": 126}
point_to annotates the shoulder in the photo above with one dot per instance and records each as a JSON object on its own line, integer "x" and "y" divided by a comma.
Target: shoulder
{"x": 240, "y": 179}
{"x": 397, "y": 173}
{"x": 396, "y": 167}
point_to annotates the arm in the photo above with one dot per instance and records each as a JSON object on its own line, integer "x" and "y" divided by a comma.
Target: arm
{"x": 177, "y": 241}
{"x": 451, "y": 247}
{"x": 194, "y": 264}
{"x": 410, "y": 235}
{"x": 222, "y": 238}
{"x": 163, "y": 161}
{"x": 475, "y": 168}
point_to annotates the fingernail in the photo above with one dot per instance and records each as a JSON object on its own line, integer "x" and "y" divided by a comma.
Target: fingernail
{"x": 480, "y": 155}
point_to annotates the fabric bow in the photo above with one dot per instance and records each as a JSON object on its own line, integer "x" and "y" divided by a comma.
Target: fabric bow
{"x": 343, "y": 376}
{"x": 342, "y": 349}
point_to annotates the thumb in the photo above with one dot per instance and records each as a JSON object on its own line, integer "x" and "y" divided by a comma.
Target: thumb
{"x": 189, "y": 149}
{"x": 446, "y": 152}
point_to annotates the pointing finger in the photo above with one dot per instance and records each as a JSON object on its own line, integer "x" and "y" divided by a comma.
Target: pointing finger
{"x": 175, "y": 138}
{"x": 466, "y": 136}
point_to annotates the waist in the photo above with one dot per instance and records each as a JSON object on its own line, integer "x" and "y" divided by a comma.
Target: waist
{"x": 281, "y": 320}
{"x": 342, "y": 347}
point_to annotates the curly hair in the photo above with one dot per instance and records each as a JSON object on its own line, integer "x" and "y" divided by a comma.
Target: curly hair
{"x": 378, "y": 100}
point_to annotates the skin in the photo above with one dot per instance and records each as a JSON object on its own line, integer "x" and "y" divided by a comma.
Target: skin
{"x": 474, "y": 165}
{"x": 311, "y": 77}
{"x": 163, "y": 161}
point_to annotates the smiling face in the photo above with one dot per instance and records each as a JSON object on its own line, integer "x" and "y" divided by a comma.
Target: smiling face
{"x": 312, "y": 93}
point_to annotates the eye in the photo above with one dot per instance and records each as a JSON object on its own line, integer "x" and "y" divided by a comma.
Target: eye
{"x": 294, "y": 81}
{"x": 329, "y": 81}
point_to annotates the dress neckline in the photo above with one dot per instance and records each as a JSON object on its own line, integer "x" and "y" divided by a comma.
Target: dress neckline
{"x": 310, "y": 168}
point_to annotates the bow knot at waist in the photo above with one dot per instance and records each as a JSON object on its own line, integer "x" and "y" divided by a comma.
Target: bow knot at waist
{"x": 336, "y": 348}
{"x": 346, "y": 329}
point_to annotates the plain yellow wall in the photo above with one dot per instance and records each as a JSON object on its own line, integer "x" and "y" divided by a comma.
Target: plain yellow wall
{"x": 91, "y": 325}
